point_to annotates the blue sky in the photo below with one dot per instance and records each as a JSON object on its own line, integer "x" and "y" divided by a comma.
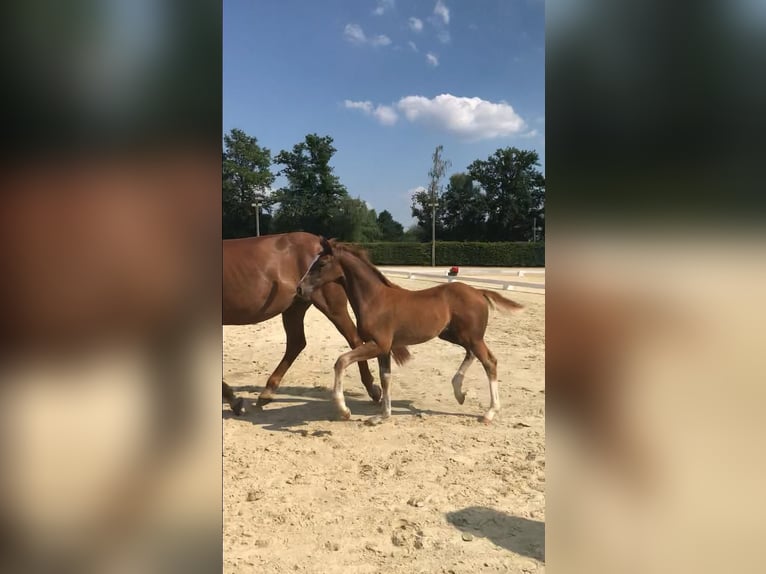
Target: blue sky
{"x": 389, "y": 80}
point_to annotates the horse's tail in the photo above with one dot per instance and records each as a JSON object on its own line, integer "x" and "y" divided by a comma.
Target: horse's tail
{"x": 401, "y": 355}
{"x": 496, "y": 300}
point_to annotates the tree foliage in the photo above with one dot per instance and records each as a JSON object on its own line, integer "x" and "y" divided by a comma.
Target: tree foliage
{"x": 463, "y": 214}
{"x": 389, "y": 229}
{"x": 246, "y": 175}
{"x": 312, "y": 199}
{"x": 514, "y": 189}
{"x": 355, "y": 221}
{"x": 501, "y": 198}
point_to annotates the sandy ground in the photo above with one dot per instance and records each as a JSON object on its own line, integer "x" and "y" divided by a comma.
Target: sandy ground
{"x": 430, "y": 490}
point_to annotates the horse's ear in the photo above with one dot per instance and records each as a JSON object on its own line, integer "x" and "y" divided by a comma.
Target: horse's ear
{"x": 326, "y": 245}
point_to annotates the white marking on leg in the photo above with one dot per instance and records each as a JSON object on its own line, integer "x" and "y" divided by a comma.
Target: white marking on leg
{"x": 457, "y": 380}
{"x": 494, "y": 398}
{"x": 337, "y": 391}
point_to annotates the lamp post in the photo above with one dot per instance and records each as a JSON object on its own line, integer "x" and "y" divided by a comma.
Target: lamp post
{"x": 256, "y": 205}
{"x": 435, "y": 174}
{"x": 433, "y": 231}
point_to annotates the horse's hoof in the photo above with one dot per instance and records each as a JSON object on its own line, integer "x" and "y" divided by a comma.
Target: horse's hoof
{"x": 486, "y": 420}
{"x": 238, "y": 407}
{"x": 376, "y": 394}
{"x": 263, "y": 401}
{"x": 344, "y": 415}
{"x": 375, "y": 421}
{"x": 461, "y": 398}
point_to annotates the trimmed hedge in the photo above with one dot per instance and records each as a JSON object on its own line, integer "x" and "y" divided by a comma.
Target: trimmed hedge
{"x": 468, "y": 253}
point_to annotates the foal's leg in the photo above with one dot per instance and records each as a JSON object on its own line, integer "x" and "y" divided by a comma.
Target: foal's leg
{"x": 489, "y": 361}
{"x": 384, "y": 362}
{"x": 292, "y": 321}
{"x": 457, "y": 380}
{"x": 331, "y": 300}
{"x": 361, "y": 353}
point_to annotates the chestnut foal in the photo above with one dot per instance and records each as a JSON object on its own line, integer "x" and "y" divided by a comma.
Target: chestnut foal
{"x": 389, "y": 318}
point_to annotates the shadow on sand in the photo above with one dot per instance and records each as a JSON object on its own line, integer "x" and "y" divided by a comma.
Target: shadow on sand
{"x": 297, "y": 406}
{"x": 520, "y": 535}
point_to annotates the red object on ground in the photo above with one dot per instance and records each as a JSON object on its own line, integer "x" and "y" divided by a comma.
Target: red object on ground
{"x": 454, "y": 270}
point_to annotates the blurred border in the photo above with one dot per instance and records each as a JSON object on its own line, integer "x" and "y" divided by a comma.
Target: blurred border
{"x": 110, "y": 340}
{"x": 656, "y": 269}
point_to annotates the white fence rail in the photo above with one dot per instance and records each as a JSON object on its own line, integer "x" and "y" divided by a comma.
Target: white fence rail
{"x": 505, "y": 284}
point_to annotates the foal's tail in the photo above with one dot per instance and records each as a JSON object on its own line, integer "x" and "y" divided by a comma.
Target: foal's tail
{"x": 496, "y": 300}
{"x": 401, "y": 355}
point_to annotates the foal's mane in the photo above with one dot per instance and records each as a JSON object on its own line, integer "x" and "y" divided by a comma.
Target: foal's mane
{"x": 361, "y": 254}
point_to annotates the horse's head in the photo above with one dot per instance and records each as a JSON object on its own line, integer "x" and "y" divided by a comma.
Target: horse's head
{"x": 324, "y": 269}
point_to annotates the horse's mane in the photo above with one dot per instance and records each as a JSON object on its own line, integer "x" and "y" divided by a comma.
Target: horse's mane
{"x": 361, "y": 254}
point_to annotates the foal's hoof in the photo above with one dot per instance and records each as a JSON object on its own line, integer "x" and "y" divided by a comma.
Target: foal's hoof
{"x": 486, "y": 419}
{"x": 264, "y": 400}
{"x": 375, "y": 394}
{"x": 375, "y": 421}
{"x": 461, "y": 398}
{"x": 344, "y": 415}
{"x": 238, "y": 406}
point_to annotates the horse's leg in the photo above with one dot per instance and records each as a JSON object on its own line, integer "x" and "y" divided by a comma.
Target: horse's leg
{"x": 292, "y": 321}
{"x": 457, "y": 380}
{"x": 236, "y": 403}
{"x": 331, "y": 300}
{"x": 361, "y": 353}
{"x": 384, "y": 362}
{"x": 485, "y": 356}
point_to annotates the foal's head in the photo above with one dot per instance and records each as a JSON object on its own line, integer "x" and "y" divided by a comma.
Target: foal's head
{"x": 325, "y": 269}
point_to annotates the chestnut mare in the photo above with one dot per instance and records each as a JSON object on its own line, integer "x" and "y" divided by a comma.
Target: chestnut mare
{"x": 390, "y": 317}
{"x": 260, "y": 276}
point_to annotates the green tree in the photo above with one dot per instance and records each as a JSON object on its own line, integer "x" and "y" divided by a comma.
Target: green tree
{"x": 463, "y": 210}
{"x": 312, "y": 197}
{"x": 355, "y": 222}
{"x": 515, "y": 193}
{"x": 246, "y": 175}
{"x": 390, "y": 229}
{"x": 414, "y": 234}
{"x": 422, "y": 212}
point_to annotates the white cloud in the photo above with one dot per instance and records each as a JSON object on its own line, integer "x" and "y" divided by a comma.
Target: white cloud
{"x": 381, "y": 40}
{"x": 432, "y": 59}
{"x": 413, "y": 46}
{"x": 382, "y": 7}
{"x": 441, "y": 11}
{"x": 444, "y": 36}
{"x": 386, "y": 115}
{"x": 415, "y": 24}
{"x": 354, "y": 34}
{"x": 469, "y": 118}
{"x": 366, "y": 107}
